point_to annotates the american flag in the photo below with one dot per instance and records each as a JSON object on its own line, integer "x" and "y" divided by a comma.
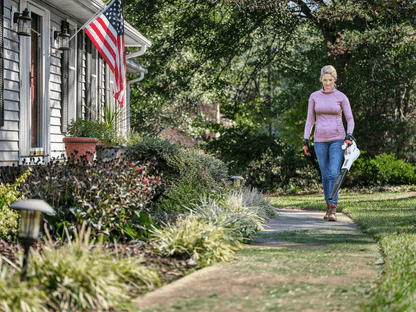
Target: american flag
{"x": 107, "y": 33}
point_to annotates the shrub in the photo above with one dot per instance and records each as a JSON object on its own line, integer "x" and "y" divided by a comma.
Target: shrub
{"x": 384, "y": 169}
{"x": 265, "y": 161}
{"x": 154, "y": 148}
{"x": 243, "y": 212}
{"x": 199, "y": 240}
{"x": 16, "y": 295}
{"x": 284, "y": 171}
{"x": 9, "y": 217}
{"x": 238, "y": 146}
{"x": 198, "y": 173}
{"x": 111, "y": 196}
{"x": 77, "y": 276}
{"x": 187, "y": 172}
{"x": 253, "y": 199}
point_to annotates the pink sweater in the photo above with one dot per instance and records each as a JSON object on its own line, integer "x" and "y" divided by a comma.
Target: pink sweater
{"x": 327, "y": 107}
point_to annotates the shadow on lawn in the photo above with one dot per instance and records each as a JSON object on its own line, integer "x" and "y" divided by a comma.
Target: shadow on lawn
{"x": 318, "y": 237}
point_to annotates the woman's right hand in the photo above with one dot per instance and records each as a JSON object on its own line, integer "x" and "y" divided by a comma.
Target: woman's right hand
{"x": 306, "y": 147}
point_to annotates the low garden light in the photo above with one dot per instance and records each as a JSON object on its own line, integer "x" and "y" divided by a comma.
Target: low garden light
{"x": 238, "y": 180}
{"x": 31, "y": 222}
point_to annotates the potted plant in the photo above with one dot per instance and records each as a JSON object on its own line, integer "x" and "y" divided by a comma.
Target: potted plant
{"x": 82, "y": 139}
{"x": 112, "y": 143}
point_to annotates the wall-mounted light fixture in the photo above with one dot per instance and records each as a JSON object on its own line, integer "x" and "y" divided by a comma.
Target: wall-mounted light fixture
{"x": 63, "y": 37}
{"x": 23, "y": 21}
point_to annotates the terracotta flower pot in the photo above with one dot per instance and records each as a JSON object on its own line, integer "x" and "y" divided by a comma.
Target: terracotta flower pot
{"x": 80, "y": 146}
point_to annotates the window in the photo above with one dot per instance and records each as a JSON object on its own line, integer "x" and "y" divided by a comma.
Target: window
{"x": 34, "y": 127}
{"x": 35, "y": 82}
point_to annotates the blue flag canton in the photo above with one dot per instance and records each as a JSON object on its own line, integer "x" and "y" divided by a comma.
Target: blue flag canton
{"x": 114, "y": 14}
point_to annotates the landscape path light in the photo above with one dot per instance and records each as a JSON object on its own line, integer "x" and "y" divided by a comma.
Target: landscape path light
{"x": 238, "y": 180}
{"x": 31, "y": 222}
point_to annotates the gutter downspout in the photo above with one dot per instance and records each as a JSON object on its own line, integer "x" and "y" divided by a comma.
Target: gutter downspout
{"x": 128, "y": 94}
{"x": 138, "y": 53}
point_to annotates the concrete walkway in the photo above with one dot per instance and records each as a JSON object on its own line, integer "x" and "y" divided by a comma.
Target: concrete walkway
{"x": 294, "y": 220}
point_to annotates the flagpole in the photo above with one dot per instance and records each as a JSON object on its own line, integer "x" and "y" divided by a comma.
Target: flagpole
{"x": 94, "y": 16}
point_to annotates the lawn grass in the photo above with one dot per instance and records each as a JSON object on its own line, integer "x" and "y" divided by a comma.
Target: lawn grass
{"x": 330, "y": 271}
{"x": 390, "y": 218}
{"x": 326, "y": 275}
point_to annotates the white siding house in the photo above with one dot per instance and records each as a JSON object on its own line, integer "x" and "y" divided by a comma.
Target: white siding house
{"x": 42, "y": 88}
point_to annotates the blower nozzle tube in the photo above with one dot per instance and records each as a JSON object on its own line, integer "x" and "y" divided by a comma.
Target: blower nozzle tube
{"x": 338, "y": 183}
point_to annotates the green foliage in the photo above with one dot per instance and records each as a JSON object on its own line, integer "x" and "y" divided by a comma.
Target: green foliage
{"x": 111, "y": 196}
{"x": 77, "y": 276}
{"x": 96, "y": 129}
{"x": 86, "y": 128}
{"x": 243, "y": 212}
{"x": 188, "y": 172}
{"x": 266, "y": 162}
{"x": 260, "y": 62}
{"x": 113, "y": 117}
{"x": 198, "y": 173}
{"x": 286, "y": 172}
{"x": 237, "y": 146}
{"x": 382, "y": 98}
{"x": 199, "y": 240}
{"x": 16, "y": 296}
{"x": 220, "y": 57}
{"x": 9, "y": 217}
{"x": 384, "y": 169}
{"x": 154, "y": 148}
{"x": 109, "y": 123}
{"x": 82, "y": 276}
{"x": 133, "y": 137}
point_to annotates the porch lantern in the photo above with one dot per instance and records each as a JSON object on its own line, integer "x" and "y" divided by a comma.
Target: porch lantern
{"x": 63, "y": 40}
{"x": 31, "y": 221}
{"x": 23, "y": 22}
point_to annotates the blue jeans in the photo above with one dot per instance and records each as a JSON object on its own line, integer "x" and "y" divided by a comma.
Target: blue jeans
{"x": 330, "y": 157}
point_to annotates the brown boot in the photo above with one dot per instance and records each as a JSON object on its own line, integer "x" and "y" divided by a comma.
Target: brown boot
{"x": 328, "y": 211}
{"x": 333, "y": 216}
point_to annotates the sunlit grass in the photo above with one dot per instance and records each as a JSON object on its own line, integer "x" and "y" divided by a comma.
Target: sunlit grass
{"x": 390, "y": 217}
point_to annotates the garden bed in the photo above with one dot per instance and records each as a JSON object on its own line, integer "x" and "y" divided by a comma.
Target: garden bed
{"x": 170, "y": 269}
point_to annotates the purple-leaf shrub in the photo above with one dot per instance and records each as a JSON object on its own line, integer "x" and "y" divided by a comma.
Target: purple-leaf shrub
{"x": 110, "y": 195}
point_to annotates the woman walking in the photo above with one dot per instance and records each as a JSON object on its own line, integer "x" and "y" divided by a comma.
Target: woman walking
{"x": 326, "y": 107}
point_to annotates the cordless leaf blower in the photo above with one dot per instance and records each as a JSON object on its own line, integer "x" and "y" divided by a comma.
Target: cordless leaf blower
{"x": 350, "y": 155}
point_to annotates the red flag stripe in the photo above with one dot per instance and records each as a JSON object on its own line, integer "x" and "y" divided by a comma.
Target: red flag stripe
{"x": 107, "y": 49}
{"x": 103, "y": 23}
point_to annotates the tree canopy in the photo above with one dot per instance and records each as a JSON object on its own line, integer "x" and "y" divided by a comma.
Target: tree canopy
{"x": 260, "y": 60}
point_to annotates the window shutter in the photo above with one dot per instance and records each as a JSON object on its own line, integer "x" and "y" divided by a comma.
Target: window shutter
{"x": 65, "y": 83}
{"x": 80, "y": 73}
{"x": 88, "y": 78}
{"x": 91, "y": 80}
{"x": 1, "y": 65}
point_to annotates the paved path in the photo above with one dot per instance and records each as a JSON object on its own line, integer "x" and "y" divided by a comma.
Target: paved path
{"x": 293, "y": 220}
